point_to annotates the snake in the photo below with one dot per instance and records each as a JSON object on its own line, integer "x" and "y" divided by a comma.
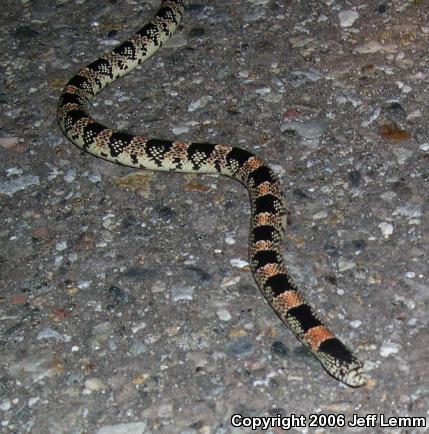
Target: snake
{"x": 268, "y": 210}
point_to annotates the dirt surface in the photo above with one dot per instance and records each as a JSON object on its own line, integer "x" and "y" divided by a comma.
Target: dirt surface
{"x": 127, "y": 305}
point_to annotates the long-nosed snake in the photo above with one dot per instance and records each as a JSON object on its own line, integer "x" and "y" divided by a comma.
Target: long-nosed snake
{"x": 268, "y": 209}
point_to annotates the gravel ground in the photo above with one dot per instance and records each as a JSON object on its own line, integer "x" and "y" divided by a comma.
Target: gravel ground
{"x": 126, "y": 302}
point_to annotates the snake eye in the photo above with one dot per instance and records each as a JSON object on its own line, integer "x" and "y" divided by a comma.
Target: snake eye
{"x": 342, "y": 372}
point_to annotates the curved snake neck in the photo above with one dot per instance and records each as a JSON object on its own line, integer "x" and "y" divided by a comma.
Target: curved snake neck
{"x": 268, "y": 209}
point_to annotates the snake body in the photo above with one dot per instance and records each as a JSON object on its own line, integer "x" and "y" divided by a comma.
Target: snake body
{"x": 267, "y": 202}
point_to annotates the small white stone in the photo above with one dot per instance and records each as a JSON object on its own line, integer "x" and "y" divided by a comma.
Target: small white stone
{"x": 263, "y": 90}
{"x": 412, "y": 322}
{"x": 61, "y": 245}
{"x": 369, "y": 48}
{"x": 138, "y": 327}
{"x": 94, "y": 178}
{"x": 230, "y": 281}
{"x": 180, "y": 130}
{"x": 84, "y": 284}
{"x": 238, "y": 263}
{"x": 347, "y": 18}
{"x": 5, "y": 405}
{"x": 402, "y": 154}
{"x": 49, "y": 333}
{"x": 230, "y": 240}
{"x": 199, "y": 103}
{"x": 424, "y": 146}
{"x": 158, "y": 286}
{"x": 386, "y": 229}
{"x": 13, "y": 171}
{"x": 126, "y": 428}
{"x": 410, "y": 274}
{"x": 58, "y": 261}
{"x": 70, "y": 176}
{"x": 223, "y": 314}
{"x": 94, "y": 385}
{"x": 356, "y": 323}
{"x": 344, "y": 265}
{"x": 320, "y": 215}
{"x": 389, "y": 348}
{"x": 179, "y": 293}
{"x": 414, "y": 114}
{"x": 33, "y": 401}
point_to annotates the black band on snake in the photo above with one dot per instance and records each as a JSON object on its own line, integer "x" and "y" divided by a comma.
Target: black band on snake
{"x": 268, "y": 210}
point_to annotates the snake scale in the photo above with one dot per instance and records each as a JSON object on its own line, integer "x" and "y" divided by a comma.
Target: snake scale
{"x": 268, "y": 213}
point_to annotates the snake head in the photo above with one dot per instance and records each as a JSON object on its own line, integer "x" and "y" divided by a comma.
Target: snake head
{"x": 340, "y": 363}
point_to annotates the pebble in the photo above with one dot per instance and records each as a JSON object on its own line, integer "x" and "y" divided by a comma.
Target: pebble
{"x": 5, "y": 405}
{"x": 165, "y": 410}
{"x": 262, "y": 90}
{"x": 94, "y": 385}
{"x": 369, "y": 48}
{"x": 49, "y": 333}
{"x": 109, "y": 222}
{"x": 386, "y": 229}
{"x": 424, "y": 146}
{"x": 8, "y": 142}
{"x": 408, "y": 210}
{"x": 279, "y": 349}
{"x": 306, "y": 130}
{"x": 320, "y": 215}
{"x": 356, "y": 323}
{"x": 13, "y": 171}
{"x": 180, "y": 130}
{"x": 302, "y": 76}
{"x": 389, "y": 348}
{"x": 223, "y": 314}
{"x": 158, "y": 286}
{"x": 179, "y": 293}
{"x": 230, "y": 281}
{"x": 125, "y": 428}
{"x": 32, "y": 401}
{"x": 347, "y": 18}
{"x": 354, "y": 178}
{"x": 238, "y": 263}
{"x": 70, "y": 176}
{"x": 255, "y": 16}
{"x": 239, "y": 346}
{"x": 61, "y": 245}
{"x": 402, "y": 154}
{"x": 138, "y": 327}
{"x": 21, "y": 183}
{"x": 84, "y": 284}
{"x": 58, "y": 261}
{"x": 35, "y": 369}
{"x": 101, "y": 333}
{"x": 199, "y": 103}
{"x": 259, "y": 2}
{"x": 137, "y": 348}
{"x": 344, "y": 265}
{"x": 95, "y": 178}
{"x": 119, "y": 296}
{"x": 412, "y": 322}
{"x": 230, "y": 240}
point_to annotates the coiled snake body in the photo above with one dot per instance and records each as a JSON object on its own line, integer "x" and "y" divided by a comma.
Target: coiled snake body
{"x": 268, "y": 210}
